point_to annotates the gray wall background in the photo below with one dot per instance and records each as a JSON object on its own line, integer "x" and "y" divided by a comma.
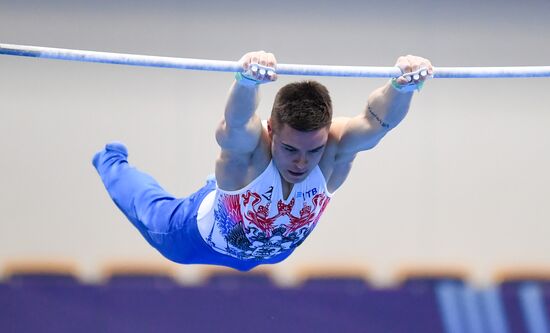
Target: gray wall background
{"x": 463, "y": 181}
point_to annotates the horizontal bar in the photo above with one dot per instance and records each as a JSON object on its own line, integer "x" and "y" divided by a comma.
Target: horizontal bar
{"x": 282, "y": 69}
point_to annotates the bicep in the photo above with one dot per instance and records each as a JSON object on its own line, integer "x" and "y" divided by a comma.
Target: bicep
{"x": 348, "y": 137}
{"x": 242, "y": 139}
{"x": 356, "y": 134}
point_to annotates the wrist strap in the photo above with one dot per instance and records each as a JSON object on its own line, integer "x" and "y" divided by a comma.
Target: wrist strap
{"x": 245, "y": 81}
{"x": 413, "y": 79}
{"x": 406, "y": 87}
{"x": 249, "y": 76}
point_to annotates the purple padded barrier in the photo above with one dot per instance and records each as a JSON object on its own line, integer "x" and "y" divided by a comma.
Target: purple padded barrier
{"x": 48, "y": 303}
{"x": 244, "y": 302}
{"x": 427, "y": 283}
{"x": 6, "y": 320}
{"x": 404, "y": 311}
{"x": 512, "y": 302}
{"x": 139, "y": 303}
{"x": 224, "y": 304}
{"x": 42, "y": 279}
{"x": 545, "y": 286}
{"x": 448, "y": 316}
{"x": 327, "y": 304}
{"x": 128, "y": 280}
{"x": 214, "y": 307}
{"x": 350, "y": 305}
{"x": 229, "y": 304}
{"x": 340, "y": 284}
{"x": 373, "y": 311}
{"x": 236, "y": 280}
{"x": 512, "y": 306}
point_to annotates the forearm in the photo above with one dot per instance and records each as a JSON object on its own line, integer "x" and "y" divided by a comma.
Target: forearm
{"x": 241, "y": 104}
{"x": 387, "y": 107}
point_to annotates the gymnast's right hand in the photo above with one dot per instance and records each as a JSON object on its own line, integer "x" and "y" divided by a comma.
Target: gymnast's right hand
{"x": 257, "y": 67}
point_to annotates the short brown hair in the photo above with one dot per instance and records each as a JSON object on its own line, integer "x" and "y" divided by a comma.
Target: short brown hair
{"x": 304, "y": 106}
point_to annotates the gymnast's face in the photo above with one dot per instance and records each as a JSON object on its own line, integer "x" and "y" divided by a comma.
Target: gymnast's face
{"x": 296, "y": 153}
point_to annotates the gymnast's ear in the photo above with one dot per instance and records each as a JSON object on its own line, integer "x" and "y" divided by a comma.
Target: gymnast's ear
{"x": 269, "y": 128}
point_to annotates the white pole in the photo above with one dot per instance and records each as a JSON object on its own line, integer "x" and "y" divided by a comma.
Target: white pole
{"x": 282, "y": 69}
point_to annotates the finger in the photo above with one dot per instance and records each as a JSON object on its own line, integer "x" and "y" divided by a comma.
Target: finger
{"x": 245, "y": 60}
{"x": 430, "y": 67}
{"x": 408, "y": 64}
{"x": 262, "y": 59}
{"x": 407, "y": 76}
{"x": 262, "y": 73}
{"x": 271, "y": 61}
{"x": 253, "y": 68}
{"x": 255, "y": 57}
{"x": 419, "y": 68}
{"x": 402, "y": 80}
{"x": 402, "y": 64}
{"x": 426, "y": 69}
{"x": 418, "y": 63}
{"x": 424, "y": 63}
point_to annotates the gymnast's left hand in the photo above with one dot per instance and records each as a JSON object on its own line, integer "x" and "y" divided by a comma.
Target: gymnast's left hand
{"x": 421, "y": 69}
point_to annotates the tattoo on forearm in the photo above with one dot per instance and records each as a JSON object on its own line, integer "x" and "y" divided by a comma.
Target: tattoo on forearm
{"x": 375, "y": 116}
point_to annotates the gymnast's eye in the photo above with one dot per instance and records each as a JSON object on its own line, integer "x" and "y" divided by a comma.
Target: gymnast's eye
{"x": 289, "y": 148}
{"x": 316, "y": 150}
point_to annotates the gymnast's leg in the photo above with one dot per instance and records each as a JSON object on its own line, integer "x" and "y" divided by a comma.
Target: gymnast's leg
{"x": 135, "y": 193}
{"x": 161, "y": 218}
{"x": 169, "y": 224}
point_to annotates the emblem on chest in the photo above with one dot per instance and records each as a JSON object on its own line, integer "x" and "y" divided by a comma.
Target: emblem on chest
{"x": 253, "y": 226}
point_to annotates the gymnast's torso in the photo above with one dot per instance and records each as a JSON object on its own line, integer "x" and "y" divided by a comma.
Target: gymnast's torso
{"x": 257, "y": 222}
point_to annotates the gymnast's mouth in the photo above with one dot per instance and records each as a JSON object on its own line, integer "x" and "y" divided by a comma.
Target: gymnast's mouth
{"x": 296, "y": 174}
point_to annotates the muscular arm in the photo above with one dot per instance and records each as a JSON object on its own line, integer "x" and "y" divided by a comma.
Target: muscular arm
{"x": 386, "y": 108}
{"x": 240, "y": 129}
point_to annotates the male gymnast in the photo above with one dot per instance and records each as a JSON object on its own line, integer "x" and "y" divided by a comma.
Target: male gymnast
{"x": 273, "y": 179}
